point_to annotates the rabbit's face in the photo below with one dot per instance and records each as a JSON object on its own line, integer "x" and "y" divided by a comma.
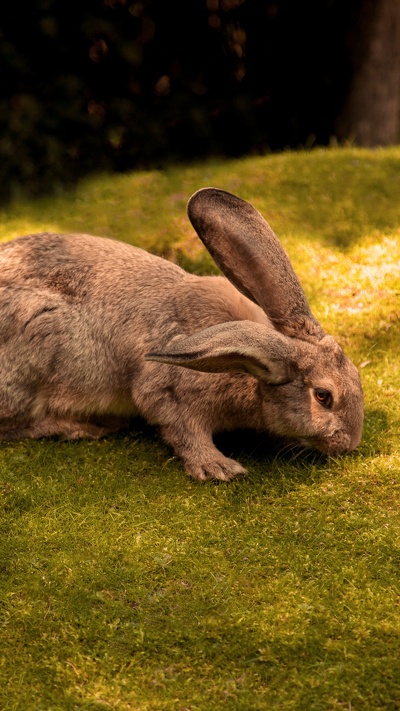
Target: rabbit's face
{"x": 322, "y": 407}
{"x": 310, "y": 392}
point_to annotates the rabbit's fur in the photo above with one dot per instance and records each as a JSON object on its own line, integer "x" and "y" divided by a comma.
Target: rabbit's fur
{"x": 85, "y": 321}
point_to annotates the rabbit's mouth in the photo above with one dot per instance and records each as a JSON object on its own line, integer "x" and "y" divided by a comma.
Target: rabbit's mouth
{"x": 338, "y": 444}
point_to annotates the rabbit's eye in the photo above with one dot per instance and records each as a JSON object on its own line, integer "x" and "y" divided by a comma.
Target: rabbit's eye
{"x": 324, "y": 397}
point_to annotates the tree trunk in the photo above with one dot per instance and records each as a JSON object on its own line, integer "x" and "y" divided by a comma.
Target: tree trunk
{"x": 371, "y": 111}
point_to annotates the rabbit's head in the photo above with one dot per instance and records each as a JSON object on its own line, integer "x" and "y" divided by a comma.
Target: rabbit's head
{"x": 311, "y": 391}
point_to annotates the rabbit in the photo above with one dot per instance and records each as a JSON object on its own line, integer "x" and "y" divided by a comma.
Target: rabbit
{"x": 94, "y": 332}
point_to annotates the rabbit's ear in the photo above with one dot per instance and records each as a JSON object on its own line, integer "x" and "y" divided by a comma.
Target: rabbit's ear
{"x": 234, "y": 347}
{"x": 250, "y": 255}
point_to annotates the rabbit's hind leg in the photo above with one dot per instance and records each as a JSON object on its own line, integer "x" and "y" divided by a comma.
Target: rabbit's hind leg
{"x": 69, "y": 429}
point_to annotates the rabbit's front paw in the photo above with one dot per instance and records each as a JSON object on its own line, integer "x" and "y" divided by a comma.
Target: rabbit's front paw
{"x": 219, "y": 467}
{"x": 201, "y": 458}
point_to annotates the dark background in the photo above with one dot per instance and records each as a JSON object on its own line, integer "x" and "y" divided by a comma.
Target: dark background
{"x": 123, "y": 84}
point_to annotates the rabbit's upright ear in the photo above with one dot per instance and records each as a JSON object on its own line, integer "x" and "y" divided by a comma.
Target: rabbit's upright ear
{"x": 234, "y": 347}
{"x": 250, "y": 255}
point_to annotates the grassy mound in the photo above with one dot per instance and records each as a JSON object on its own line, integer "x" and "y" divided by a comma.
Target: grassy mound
{"x": 126, "y": 585}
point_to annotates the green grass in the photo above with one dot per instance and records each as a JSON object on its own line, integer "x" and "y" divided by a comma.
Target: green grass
{"x": 124, "y": 584}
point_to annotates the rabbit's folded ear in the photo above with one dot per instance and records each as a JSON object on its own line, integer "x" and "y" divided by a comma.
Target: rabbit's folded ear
{"x": 250, "y": 255}
{"x": 234, "y": 347}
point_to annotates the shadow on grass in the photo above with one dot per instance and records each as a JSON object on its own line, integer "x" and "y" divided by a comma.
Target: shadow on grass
{"x": 136, "y": 461}
{"x": 273, "y": 463}
{"x": 256, "y": 451}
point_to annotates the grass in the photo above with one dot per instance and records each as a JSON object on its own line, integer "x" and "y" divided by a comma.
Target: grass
{"x": 124, "y": 584}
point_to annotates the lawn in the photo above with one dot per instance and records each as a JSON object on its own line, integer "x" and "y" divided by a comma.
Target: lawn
{"x": 126, "y": 585}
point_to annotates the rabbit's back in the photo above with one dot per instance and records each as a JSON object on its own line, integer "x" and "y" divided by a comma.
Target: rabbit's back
{"x": 76, "y": 264}
{"x": 117, "y": 284}
{"x": 104, "y": 285}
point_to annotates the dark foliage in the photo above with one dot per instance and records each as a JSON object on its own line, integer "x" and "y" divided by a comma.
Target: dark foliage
{"x": 118, "y": 84}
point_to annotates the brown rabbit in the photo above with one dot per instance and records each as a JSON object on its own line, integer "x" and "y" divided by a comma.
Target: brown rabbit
{"x": 85, "y": 320}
